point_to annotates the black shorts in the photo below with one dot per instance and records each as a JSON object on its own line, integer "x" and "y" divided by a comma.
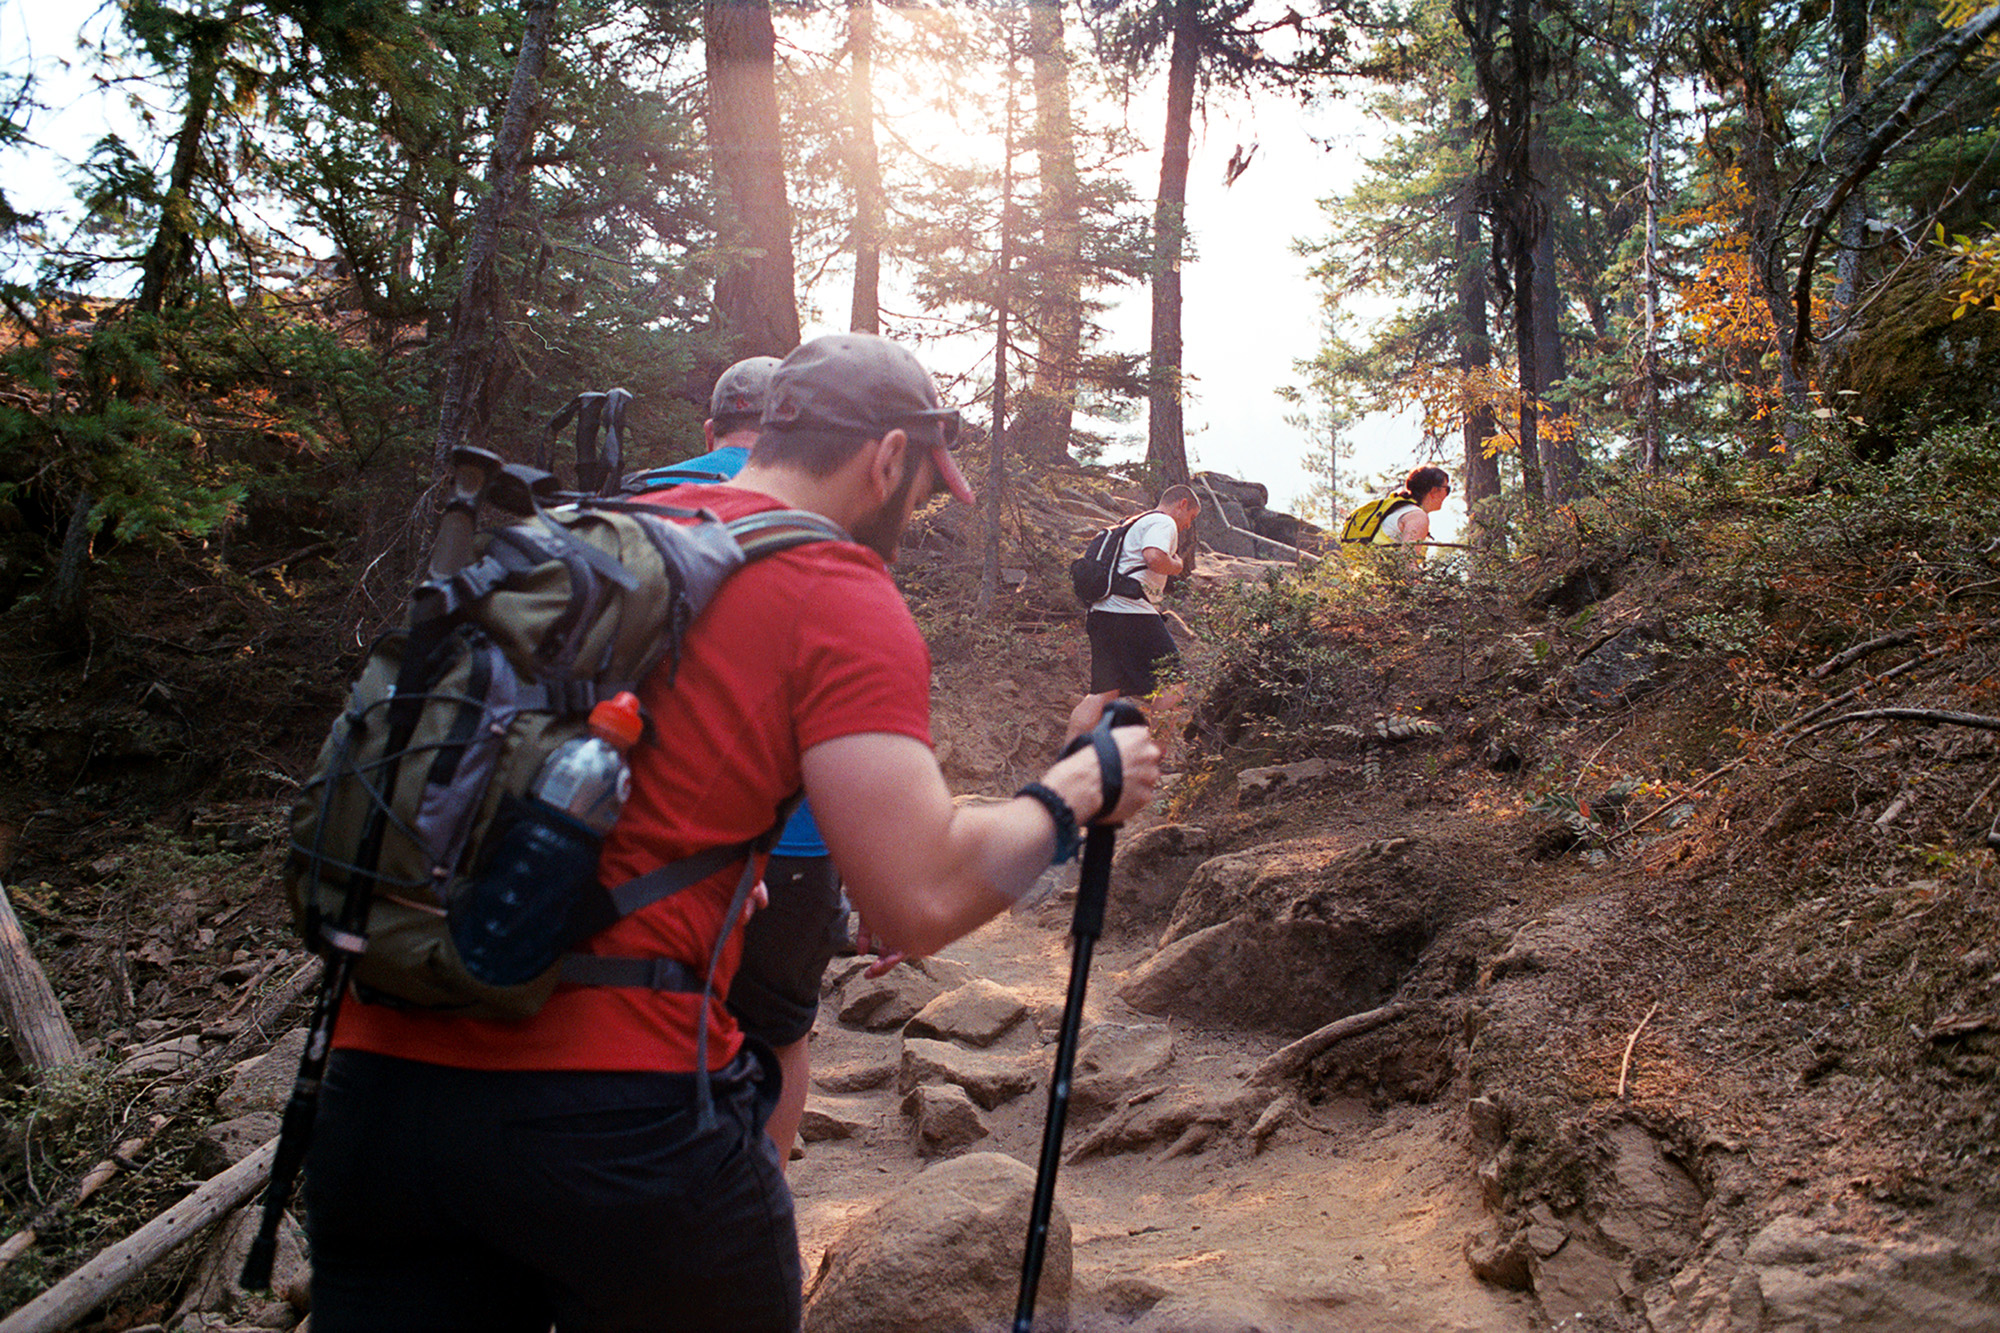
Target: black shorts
{"x": 1129, "y": 652}
{"x": 786, "y": 947}
{"x": 444, "y": 1200}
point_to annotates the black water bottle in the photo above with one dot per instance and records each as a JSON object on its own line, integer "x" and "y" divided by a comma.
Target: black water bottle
{"x": 509, "y": 924}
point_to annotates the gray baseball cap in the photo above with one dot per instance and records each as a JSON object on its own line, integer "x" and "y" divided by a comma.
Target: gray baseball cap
{"x": 861, "y": 384}
{"x": 741, "y": 390}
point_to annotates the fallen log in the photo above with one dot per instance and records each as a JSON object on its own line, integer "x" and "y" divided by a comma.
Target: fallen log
{"x": 1288, "y": 1060}
{"x": 28, "y": 1007}
{"x": 95, "y": 1179}
{"x": 90, "y": 1285}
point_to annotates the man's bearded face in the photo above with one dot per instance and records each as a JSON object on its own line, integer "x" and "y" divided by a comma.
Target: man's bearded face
{"x": 882, "y": 531}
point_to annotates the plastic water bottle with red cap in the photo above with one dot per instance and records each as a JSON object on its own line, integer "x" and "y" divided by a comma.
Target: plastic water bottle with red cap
{"x": 509, "y": 924}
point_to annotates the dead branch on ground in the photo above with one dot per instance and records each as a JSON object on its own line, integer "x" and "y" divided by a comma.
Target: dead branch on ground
{"x": 1625, "y": 1065}
{"x": 1935, "y": 717}
{"x": 90, "y": 1285}
{"x": 1289, "y": 1060}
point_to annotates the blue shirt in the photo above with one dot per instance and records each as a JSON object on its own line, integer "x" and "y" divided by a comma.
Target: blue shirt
{"x": 801, "y": 835}
{"x": 725, "y": 462}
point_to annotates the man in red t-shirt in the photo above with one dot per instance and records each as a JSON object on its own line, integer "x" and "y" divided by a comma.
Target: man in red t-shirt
{"x": 567, "y": 1169}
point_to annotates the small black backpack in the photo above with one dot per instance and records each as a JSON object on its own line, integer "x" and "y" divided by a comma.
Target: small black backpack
{"x": 1094, "y": 573}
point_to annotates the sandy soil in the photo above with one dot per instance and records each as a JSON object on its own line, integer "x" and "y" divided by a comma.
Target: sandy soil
{"x": 1353, "y": 1222}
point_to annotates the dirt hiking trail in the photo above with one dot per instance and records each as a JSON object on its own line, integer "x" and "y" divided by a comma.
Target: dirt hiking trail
{"x": 1348, "y": 1218}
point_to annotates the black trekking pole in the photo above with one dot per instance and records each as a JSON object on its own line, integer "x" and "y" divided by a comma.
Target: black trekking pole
{"x": 347, "y": 938}
{"x": 586, "y": 409}
{"x": 611, "y": 455}
{"x": 1093, "y": 888}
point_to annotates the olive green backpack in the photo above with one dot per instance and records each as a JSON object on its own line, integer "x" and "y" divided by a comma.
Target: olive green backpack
{"x": 451, "y": 719}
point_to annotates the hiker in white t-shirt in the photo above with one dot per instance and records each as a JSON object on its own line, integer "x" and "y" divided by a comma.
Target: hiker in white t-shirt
{"x": 1129, "y": 643}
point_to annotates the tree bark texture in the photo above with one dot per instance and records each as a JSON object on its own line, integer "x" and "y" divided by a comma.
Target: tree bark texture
{"x": 1475, "y": 357}
{"x": 28, "y": 1008}
{"x": 1043, "y": 419}
{"x": 1166, "y": 444}
{"x": 1509, "y": 79}
{"x": 865, "y": 168}
{"x": 1734, "y": 59}
{"x": 1850, "y": 24}
{"x": 69, "y": 590}
{"x": 1560, "y": 462}
{"x": 469, "y": 352}
{"x": 754, "y": 294}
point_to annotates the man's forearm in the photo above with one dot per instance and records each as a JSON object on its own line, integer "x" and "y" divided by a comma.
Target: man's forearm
{"x": 925, "y": 870}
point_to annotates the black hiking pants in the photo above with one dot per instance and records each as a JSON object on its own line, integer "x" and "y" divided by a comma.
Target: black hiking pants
{"x": 443, "y": 1199}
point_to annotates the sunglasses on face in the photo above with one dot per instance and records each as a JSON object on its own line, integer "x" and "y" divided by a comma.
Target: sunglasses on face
{"x": 946, "y": 418}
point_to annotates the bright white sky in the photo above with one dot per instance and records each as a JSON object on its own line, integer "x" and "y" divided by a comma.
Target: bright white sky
{"x": 1249, "y": 309}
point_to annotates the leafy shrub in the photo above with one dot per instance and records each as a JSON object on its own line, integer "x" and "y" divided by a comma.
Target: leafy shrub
{"x": 1282, "y": 673}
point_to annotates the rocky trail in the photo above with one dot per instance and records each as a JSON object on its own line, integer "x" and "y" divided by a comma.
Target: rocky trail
{"x": 1341, "y": 1217}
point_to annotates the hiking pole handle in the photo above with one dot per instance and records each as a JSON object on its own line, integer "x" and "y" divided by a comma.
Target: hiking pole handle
{"x": 451, "y": 548}
{"x": 611, "y": 451}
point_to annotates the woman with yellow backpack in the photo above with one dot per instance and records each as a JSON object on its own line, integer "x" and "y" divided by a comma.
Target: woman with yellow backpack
{"x": 1403, "y": 517}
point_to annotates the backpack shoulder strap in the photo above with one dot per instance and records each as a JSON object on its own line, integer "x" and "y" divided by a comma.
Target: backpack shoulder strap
{"x": 773, "y": 530}
{"x": 674, "y": 474}
{"x": 759, "y": 535}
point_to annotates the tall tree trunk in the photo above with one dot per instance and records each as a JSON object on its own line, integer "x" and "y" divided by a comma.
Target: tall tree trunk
{"x": 469, "y": 352}
{"x": 171, "y": 255}
{"x": 69, "y": 590}
{"x": 1559, "y": 454}
{"x": 1518, "y": 222}
{"x": 865, "y": 167}
{"x": 1649, "y": 364}
{"x": 1166, "y": 445}
{"x": 1535, "y": 475}
{"x": 1042, "y": 425}
{"x": 1475, "y": 352}
{"x": 1758, "y": 164}
{"x": 996, "y": 473}
{"x": 1509, "y": 78}
{"x": 1850, "y": 22}
{"x": 754, "y": 295}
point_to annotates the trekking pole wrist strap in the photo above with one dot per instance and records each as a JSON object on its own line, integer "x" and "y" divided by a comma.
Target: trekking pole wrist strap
{"x": 1064, "y": 817}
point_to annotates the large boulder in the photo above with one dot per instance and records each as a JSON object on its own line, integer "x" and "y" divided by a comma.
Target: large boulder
{"x": 1288, "y": 936}
{"x": 1116, "y": 1060}
{"x": 943, "y": 1119}
{"x": 213, "y": 1299}
{"x": 1150, "y": 870}
{"x": 885, "y": 1003}
{"x": 264, "y": 1083}
{"x": 1794, "y": 1275}
{"x": 1286, "y": 977}
{"x": 943, "y": 1254}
